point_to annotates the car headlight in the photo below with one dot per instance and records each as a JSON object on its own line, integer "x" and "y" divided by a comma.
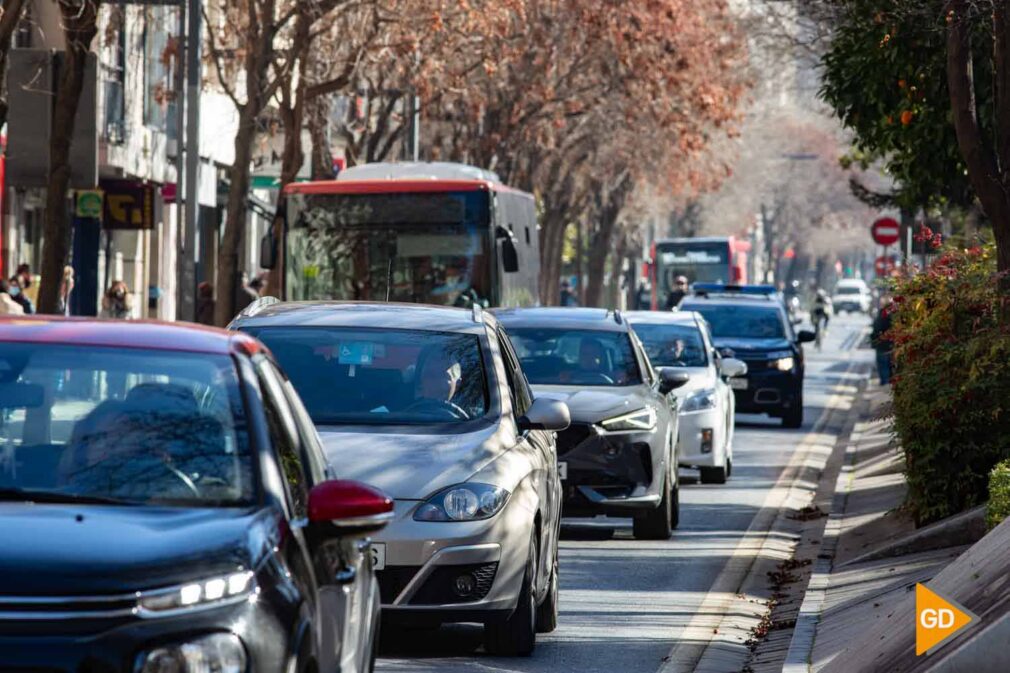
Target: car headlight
{"x": 783, "y": 364}
{"x": 216, "y": 653}
{"x": 700, "y": 401}
{"x": 643, "y": 419}
{"x": 210, "y": 592}
{"x": 464, "y": 502}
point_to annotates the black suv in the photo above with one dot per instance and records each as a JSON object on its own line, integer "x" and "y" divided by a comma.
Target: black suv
{"x": 754, "y": 326}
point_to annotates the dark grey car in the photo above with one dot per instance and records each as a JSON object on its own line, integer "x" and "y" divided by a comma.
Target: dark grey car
{"x": 431, "y": 404}
{"x": 619, "y": 455}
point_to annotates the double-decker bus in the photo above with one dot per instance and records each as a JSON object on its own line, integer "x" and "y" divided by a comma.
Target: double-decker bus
{"x": 433, "y": 233}
{"x": 714, "y": 259}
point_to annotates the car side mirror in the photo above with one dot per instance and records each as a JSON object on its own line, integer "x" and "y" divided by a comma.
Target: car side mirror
{"x": 351, "y": 506}
{"x": 268, "y": 250}
{"x": 507, "y": 246}
{"x": 671, "y": 378}
{"x": 731, "y": 368}
{"x": 545, "y": 414}
{"x": 806, "y": 336}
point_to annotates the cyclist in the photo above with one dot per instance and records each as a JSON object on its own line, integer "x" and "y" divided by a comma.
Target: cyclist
{"x": 820, "y": 316}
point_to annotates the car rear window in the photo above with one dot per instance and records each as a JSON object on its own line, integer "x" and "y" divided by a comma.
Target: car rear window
{"x": 553, "y": 356}
{"x": 742, "y": 321}
{"x": 381, "y": 377}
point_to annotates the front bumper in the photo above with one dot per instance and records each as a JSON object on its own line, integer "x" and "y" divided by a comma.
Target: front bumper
{"x": 425, "y": 559}
{"x": 702, "y": 438}
{"x": 769, "y": 391}
{"x": 114, "y": 645}
{"x": 609, "y": 473}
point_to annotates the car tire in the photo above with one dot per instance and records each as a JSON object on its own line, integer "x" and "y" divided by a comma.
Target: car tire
{"x": 547, "y": 611}
{"x": 729, "y": 468}
{"x": 793, "y": 416}
{"x": 658, "y": 523}
{"x": 714, "y": 475}
{"x": 517, "y": 635}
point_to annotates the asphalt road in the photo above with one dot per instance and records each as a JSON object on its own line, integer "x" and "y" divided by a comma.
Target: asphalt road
{"x": 625, "y": 602}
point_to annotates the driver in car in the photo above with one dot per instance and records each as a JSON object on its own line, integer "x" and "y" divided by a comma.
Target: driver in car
{"x": 438, "y": 380}
{"x": 592, "y": 364}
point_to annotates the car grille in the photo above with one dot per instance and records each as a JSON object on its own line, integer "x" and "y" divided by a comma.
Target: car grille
{"x": 393, "y": 580}
{"x": 572, "y": 436}
{"x": 27, "y": 608}
{"x": 756, "y": 365}
{"x": 439, "y": 588}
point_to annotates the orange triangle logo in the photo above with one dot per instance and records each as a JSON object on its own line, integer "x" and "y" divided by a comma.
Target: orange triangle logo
{"x": 936, "y": 619}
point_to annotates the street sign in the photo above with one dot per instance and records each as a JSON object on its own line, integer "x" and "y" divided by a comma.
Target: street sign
{"x": 884, "y": 265}
{"x": 128, "y": 205}
{"x": 886, "y": 231}
{"x": 89, "y": 204}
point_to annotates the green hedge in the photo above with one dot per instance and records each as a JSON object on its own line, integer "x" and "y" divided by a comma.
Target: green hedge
{"x": 952, "y": 389}
{"x": 999, "y": 494}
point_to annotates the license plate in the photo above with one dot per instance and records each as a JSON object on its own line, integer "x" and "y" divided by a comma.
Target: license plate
{"x": 378, "y": 551}
{"x": 563, "y": 470}
{"x": 738, "y": 383}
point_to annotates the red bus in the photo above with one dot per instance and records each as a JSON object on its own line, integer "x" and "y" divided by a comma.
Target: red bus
{"x": 431, "y": 233}
{"x": 713, "y": 259}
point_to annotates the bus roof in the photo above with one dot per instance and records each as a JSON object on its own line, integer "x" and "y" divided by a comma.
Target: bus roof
{"x": 736, "y": 242}
{"x": 396, "y": 186}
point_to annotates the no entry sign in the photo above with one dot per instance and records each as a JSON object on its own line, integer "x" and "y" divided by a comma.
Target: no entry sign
{"x": 884, "y": 265}
{"x": 886, "y": 231}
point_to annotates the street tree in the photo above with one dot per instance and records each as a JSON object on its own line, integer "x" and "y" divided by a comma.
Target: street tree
{"x": 79, "y": 24}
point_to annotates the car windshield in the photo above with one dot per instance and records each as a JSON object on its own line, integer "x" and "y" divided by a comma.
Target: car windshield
{"x": 847, "y": 290}
{"x": 382, "y": 377}
{"x": 742, "y": 321}
{"x": 672, "y": 345}
{"x": 139, "y": 426}
{"x": 576, "y": 357}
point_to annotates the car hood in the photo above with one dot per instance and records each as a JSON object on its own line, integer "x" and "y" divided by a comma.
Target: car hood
{"x": 594, "y": 405}
{"x": 742, "y": 346}
{"x": 62, "y": 549}
{"x": 409, "y": 465}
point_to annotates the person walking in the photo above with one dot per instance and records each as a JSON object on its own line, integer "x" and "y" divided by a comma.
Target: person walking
{"x": 7, "y": 304}
{"x": 677, "y": 294}
{"x": 117, "y": 302}
{"x": 66, "y": 287}
{"x": 567, "y": 296}
{"x": 882, "y": 342}
{"x": 820, "y": 316}
{"x": 205, "y": 303}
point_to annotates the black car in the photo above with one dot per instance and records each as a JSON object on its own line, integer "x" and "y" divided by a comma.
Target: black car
{"x": 754, "y": 327}
{"x": 164, "y": 506}
{"x": 619, "y": 455}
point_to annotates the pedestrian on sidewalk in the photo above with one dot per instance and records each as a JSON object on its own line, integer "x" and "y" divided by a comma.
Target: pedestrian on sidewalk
{"x": 19, "y": 283}
{"x": 882, "y": 342}
{"x": 66, "y": 287}
{"x": 7, "y": 304}
{"x": 567, "y": 295}
{"x": 117, "y": 303}
{"x": 205, "y": 303}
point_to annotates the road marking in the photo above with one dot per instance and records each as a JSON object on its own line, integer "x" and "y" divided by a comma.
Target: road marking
{"x": 759, "y": 541}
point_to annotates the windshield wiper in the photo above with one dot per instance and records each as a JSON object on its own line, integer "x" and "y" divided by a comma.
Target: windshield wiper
{"x": 32, "y": 495}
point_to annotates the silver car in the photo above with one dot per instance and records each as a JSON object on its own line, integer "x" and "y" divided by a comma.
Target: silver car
{"x": 431, "y": 405}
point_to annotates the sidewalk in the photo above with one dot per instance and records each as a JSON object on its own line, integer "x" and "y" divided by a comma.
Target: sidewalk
{"x": 870, "y": 559}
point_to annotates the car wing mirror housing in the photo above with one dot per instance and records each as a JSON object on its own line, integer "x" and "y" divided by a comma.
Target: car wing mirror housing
{"x": 732, "y": 368}
{"x": 806, "y": 336}
{"x": 545, "y": 414}
{"x": 670, "y": 379}
{"x": 350, "y": 506}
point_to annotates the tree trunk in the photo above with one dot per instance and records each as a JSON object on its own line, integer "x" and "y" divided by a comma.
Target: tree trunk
{"x": 318, "y": 122}
{"x": 986, "y": 168}
{"x": 79, "y": 27}
{"x": 235, "y": 219}
{"x": 552, "y": 245}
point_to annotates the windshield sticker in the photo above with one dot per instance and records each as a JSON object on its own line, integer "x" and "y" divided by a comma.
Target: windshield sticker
{"x": 356, "y": 353}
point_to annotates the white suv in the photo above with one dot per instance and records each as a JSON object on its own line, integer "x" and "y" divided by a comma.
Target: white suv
{"x": 851, "y": 295}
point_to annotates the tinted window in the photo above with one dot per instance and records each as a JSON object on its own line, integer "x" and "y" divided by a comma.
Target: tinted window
{"x": 284, "y": 437}
{"x": 847, "y": 290}
{"x": 137, "y": 425}
{"x": 576, "y": 357}
{"x": 747, "y": 321}
{"x": 672, "y": 345}
{"x": 348, "y": 375}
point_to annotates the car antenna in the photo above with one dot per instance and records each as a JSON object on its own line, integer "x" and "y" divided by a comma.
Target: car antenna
{"x": 617, "y": 317}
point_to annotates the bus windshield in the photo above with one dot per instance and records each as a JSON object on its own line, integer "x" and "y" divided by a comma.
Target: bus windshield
{"x": 431, "y": 248}
{"x": 699, "y": 261}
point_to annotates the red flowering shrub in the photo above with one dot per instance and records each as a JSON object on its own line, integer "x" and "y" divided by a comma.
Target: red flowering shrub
{"x": 952, "y": 398}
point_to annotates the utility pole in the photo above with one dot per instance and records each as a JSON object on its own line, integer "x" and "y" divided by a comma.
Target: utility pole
{"x": 180, "y": 162}
{"x": 187, "y": 265}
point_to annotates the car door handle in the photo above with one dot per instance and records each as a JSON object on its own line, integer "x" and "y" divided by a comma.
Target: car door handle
{"x": 346, "y": 575}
